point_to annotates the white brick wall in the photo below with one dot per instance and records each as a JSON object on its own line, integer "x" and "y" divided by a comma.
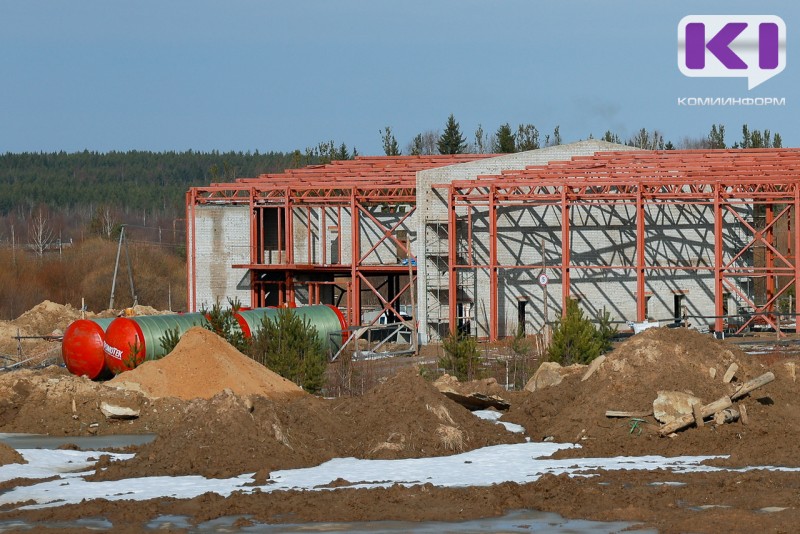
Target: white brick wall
{"x": 223, "y": 239}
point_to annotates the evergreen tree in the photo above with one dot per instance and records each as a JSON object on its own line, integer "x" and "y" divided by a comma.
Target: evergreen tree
{"x": 390, "y": 147}
{"x": 462, "y": 357}
{"x": 481, "y": 142}
{"x": 575, "y": 339}
{"x": 223, "y": 323}
{"x": 556, "y": 136}
{"x": 527, "y": 138}
{"x": 416, "y": 145}
{"x": 716, "y": 138}
{"x": 289, "y": 345}
{"x": 451, "y": 141}
{"x": 610, "y": 137}
{"x": 505, "y": 141}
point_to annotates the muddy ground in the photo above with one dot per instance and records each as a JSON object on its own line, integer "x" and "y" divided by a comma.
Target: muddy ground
{"x": 223, "y": 431}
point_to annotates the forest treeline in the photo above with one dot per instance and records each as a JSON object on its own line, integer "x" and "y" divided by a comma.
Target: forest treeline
{"x": 130, "y": 180}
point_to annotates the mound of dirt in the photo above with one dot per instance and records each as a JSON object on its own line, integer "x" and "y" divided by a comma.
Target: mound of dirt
{"x": 629, "y": 380}
{"x": 201, "y": 366}
{"x": 403, "y": 418}
{"x": 46, "y": 317}
{"x": 9, "y": 456}
{"x": 229, "y": 435}
{"x": 406, "y": 417}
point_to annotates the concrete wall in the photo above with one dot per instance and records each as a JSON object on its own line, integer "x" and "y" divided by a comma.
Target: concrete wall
{"x": 432, "y": 210}
{"x": 675, "y": 236}
{"x": 223, "y": 239}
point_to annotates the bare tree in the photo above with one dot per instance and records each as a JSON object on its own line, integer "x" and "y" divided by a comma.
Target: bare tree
{"x": 425, "y": 143}
{"x": 40, "y": 234}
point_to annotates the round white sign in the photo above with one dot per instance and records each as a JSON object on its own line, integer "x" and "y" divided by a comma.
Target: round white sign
{"x": 543, "y": 279}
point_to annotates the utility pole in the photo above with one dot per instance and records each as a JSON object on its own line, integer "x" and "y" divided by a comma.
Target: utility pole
{"x": 116, "y": 267}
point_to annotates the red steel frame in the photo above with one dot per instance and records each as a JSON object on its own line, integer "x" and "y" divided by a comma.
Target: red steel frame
{"x": 721, "y": 179}
{"x": 352, "y": 185}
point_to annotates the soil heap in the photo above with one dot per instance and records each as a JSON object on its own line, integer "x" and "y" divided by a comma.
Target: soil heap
{"x": 230, "y": 435}
{"x": 629, "y": 380}
{"x": 201, "y": 366}
{"x": 10, "y": 456}
{"x": 43, "y": 319}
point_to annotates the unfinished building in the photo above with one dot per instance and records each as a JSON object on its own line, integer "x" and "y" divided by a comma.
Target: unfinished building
{"x": 494, "y": 243}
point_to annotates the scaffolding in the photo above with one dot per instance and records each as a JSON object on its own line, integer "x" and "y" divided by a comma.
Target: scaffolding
{"x": 340, "y": 232}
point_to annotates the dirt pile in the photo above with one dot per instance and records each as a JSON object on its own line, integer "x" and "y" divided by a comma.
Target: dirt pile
{"x": 201, "y": 366}
{"x": 10, "y": 456}
{"x": 230, "y": 435}
{"x": 53, "y": 401}
{"x": 629, "y": 380}
{"x": 43, "y": 319}
{"x": 406, "y": 417}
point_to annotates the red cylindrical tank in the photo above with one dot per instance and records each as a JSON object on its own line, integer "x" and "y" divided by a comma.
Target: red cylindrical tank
{"x": 82, "y": 348}
{"x": 124, "y": 346}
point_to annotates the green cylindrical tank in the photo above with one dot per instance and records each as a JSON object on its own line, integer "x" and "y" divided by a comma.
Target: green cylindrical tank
{"x": 132, "y": 340}
{"x": 328, "y": 321}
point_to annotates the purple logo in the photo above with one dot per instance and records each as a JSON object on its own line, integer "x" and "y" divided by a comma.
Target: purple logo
{"x": 728, "y": 46}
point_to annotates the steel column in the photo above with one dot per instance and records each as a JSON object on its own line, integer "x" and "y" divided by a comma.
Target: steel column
{"x": 493, "y": 282}
{"x": 719, "y": 295}
{"x": 641, "y": 297}
{"x": 452, "y": 273}
{"x": 565, "y": 251}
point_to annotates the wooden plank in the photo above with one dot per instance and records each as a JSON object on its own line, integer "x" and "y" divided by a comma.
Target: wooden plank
{"x": 596, "y": 363}
{"x": 686, "y": 420}
{"x": 730, "y": 373}
{"x": 619, "y": 413}
{"x": 753, "y": 384}
{"x": 743, "y": 414}
{"x": 698, "y": 416}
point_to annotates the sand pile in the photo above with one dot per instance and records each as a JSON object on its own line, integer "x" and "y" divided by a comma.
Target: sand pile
{"x": 231, "y": 435}
{"x": 43, "y": 319}
{"x": 201, "y": 366}
{"x": 629, "y": 380}
{"x": 46, "y": 317}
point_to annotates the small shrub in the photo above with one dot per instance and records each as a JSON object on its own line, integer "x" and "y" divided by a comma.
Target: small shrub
{"x": 575, "y": 339}
{"x": 605, "y": 331}
{"x": 222, "y": 322}
{"x": 289, "y": 345}
{"x": 462, "y": 357}
{"x": 169, "y": 340}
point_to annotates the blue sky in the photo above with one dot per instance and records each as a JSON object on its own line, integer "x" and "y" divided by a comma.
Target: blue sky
{"x": 268, "y": 75}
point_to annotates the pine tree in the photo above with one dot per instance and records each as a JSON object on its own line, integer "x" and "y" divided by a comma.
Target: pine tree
{"x": 527, "y": 138}
{"x": 575, "y": 339}
{"x": 289, "y": 345}
{"x": 716, "y": 138}
{"x": 390, "y": 147}
{"x": 451, "y": 141}
{"x": 505, "y": 141}
{"x": 462, "y": 357}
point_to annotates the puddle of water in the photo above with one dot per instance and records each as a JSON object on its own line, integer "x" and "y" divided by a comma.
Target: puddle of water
{"x": 86, "y": 443}
{"x": 515, "y": 521}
